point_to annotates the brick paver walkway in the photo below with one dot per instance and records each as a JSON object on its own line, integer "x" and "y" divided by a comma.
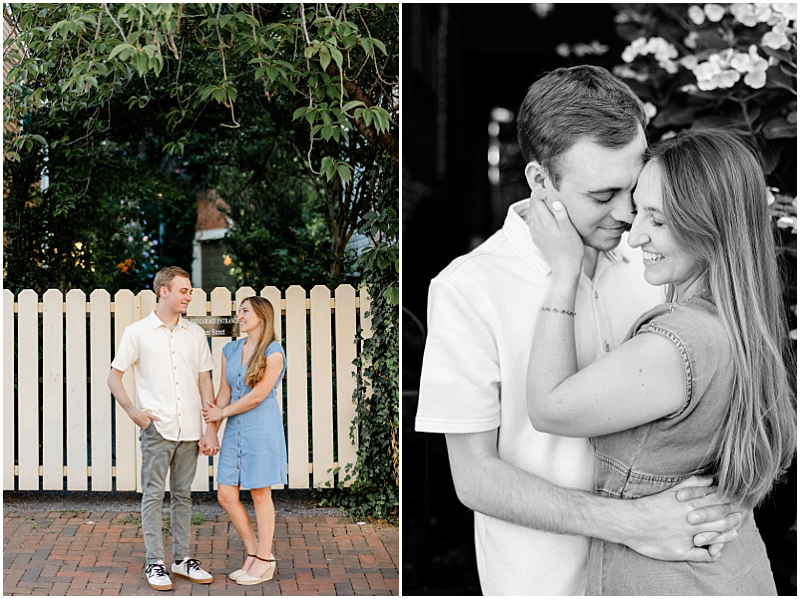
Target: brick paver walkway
{"x": 102, "y": 553}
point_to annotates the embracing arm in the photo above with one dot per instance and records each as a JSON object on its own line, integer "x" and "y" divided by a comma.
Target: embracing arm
{"x": 641, "y": 381}
{"x": 657, "y": 526}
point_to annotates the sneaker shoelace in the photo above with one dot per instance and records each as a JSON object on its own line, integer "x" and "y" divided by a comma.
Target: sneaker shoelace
{"x": 192, "y": 564}
{"x": 158, "y": 568}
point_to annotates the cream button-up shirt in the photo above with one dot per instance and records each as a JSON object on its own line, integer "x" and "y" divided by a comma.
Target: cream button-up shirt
{"x": 166, "y": 366}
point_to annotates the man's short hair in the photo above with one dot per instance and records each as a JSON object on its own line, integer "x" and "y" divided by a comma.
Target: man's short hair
{"x": 570, "y": 103}
{"x": 164, "y": 278}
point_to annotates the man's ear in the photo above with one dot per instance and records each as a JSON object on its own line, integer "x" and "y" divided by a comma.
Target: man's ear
{"x": 535, "y": 175}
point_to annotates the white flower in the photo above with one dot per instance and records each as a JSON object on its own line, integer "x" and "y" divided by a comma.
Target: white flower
{"x": 785, "y": 222}
{"x": 788, "y": 10}
{"x": 756, "y": 79}
{"x": 763, "y": 12}
{"x": 634, "y": 49}
{"x": 650, "y": 110}
{"x": 669, "y": 66}
{"x": 775, "y": 40}
{"x": 741, "y": 62}
{"x": 690, "y": 41}
{"x": 706, "y": 70}
{"x": 745, "y": 14}
{"x": 728, "y": 78}
{"x": 771, "y": 191}
{"x": 689, "y": 88}
{"x": 563, "y": 50}
{"x": 697, "y": 15}
{"x": 668, "y": 135}
{"x": 690, "y": 61}
{"x": 714, "y": 12}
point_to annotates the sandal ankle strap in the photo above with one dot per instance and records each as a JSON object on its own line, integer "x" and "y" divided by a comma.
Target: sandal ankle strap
{"x": 264, "y": 560}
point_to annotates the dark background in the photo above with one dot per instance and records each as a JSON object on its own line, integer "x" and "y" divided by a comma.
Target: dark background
{"x": 460, "y": 62}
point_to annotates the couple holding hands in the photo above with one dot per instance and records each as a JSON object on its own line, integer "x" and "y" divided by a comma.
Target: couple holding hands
{"x": 172, "y": 367}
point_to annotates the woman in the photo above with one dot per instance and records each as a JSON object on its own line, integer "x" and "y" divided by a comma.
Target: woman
{"x": 700, "y": 384}
{"x": 253, "y": 452}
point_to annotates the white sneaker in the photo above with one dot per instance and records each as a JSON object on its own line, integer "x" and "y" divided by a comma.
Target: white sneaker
{"x": 157, "y": 576}
{"x": 190, "y": 568}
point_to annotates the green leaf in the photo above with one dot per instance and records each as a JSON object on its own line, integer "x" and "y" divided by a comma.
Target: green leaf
{"x": 309, "y": 51}
{"x": 218, "y": 94}
{"x": 337, "y": 57}
{"x": 352, "y": 104}
{"x": 40, "y": 139}
{"x": 366, "y": 43}
{"x": 379, "y": 44}
{"x": 327, "y": 131}
{"x": 117, "y": 49}
{"x": 344, "y": 172}
{"x": 299, "y": 112}
{"x": 324, "y": 58}
{"x": 232, "y": 94}
{"x": 367, "y": 116}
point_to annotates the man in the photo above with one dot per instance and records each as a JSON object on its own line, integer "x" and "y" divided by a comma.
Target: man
{"x": 582, "y": 133}
{"x": 172, "y": 371}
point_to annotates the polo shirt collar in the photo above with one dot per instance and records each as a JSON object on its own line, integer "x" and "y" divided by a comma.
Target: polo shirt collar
{"x": 516, "y": 229}
{"x": 156, "y": 322}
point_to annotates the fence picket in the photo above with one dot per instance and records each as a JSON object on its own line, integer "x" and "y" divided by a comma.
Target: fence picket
{"x": 297, "y": 387}
{"x": 53, "y": 390}
{"x": 9, "y": 429}
{"x": 100, "y": 358}
{"x": 345, "y": 297}
{"x": 127, "y": 433}
{"x": 77, "y": 454}
{"x": 28, "y": 390}
{"x": 321, "y": 386}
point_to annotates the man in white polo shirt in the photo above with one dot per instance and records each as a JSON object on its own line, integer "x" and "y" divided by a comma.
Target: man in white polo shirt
{"x": 172, "y": 367}
{"x": 582, "y": 133}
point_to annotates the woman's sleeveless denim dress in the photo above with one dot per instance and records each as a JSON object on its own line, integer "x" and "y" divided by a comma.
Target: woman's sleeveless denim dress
{"x": 655, "y": 456}
{"x": 253, "y": 451}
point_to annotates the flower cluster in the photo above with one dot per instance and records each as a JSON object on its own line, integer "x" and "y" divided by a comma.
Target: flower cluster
{"x": 663, "y": 51}
{"x": 581, "y": 50}
{"x": 724, "y": 69}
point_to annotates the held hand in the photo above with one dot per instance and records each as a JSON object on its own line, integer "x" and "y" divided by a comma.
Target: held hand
{"x": 211, "y": 413}
{"x": 142, "y": 419}
{"x": 555, "y": 235}
{"x": 667, "y": 527}
{"x": 209, "y": 444}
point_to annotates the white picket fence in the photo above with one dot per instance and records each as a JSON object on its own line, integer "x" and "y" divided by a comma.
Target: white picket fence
{"x": 89, "y": 404}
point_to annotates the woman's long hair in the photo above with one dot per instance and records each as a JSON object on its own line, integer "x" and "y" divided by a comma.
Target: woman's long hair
{"x": 258, "y": 361}
{"x": 715, "y": 204}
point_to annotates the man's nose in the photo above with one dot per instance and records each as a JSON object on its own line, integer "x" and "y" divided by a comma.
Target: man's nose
{"x": 622, "y": 210}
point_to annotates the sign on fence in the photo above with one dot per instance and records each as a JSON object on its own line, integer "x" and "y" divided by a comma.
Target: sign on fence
{"x": 65, "y": 377}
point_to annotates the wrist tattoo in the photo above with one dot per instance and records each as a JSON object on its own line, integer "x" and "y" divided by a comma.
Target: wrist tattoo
{"x": 557, "y": 311}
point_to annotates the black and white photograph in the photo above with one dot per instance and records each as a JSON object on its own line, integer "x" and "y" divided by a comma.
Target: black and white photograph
{"x": 599, "y": 299}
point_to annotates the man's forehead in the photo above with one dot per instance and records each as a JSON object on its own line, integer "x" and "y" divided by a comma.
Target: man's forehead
{"x": 596, "y": 168}
{"x": 181, "y": 283}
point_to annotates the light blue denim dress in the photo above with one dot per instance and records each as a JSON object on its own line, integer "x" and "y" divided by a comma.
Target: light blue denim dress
{"x": 655, "y": 456}
{"x": 253, "y": 450}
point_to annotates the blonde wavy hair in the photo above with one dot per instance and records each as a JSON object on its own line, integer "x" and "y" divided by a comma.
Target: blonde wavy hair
{"x": 715, "y": 205}
{"x": 257, "y": 365}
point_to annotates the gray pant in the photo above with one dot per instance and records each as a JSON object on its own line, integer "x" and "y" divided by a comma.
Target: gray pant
{"x": 180, "y": 458}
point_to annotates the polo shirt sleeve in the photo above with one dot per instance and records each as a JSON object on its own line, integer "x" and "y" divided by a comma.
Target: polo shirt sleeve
{"x": 128, "y": 351}
{"x": 206, "y": 361}
{"x": 460, "y": 384}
